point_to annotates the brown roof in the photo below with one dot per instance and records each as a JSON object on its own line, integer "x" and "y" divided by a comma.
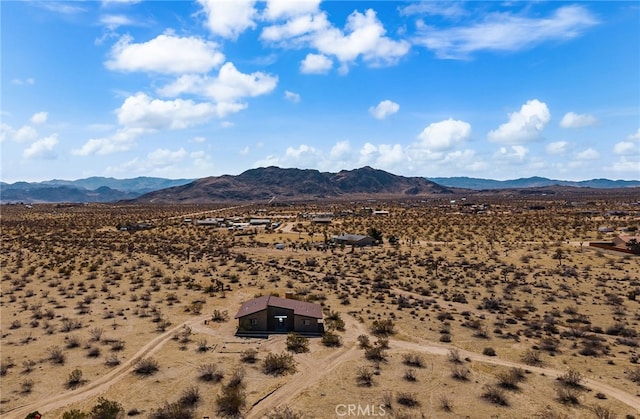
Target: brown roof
{"x": 299, "y": 308}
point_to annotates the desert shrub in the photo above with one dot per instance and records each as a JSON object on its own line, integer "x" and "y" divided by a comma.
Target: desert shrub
{"x": 495, "y": 395}
{"x": 174, "y": 410}
{"x": 56, "y": 355}
{"x": 93, "y": 352}
{"x": 413, "y": 359}
{"x": 460, "y": 372}
{"x": 511, "y": 378}
{"x": 96, "y": 334}
{"x": 117, "y": 345}
{"x": 297, "y": 343}
{"x": 531, "y": 357}
{"x": 334, "y": 321}
{"x": 489, "y": 352}
{"x": 633, "y": 374}
{"x": 364, "y": 342}
{"x": 220, "y": 316}
{"x": 572, "y": 378}
{"x": 190, "y": 396}
{"x": 454, "y": 356}
{"x": 567, "y": 395}
{"x": 364, "y": 376}
{"x": 281, "y": 364}
{"x": 27, "y": 366}
{"x": 75, "y": 378}
{"x": 74, "y": 414}
{"x": 209, "y": 373}
{"x": 106, "y": 409}
{"x": 285, "y": 413}
{"x": 331, "y": 340}
{"x": 202, "y": 345}
{"x": 382, "y": 343}
{"x": 146, "y": 366}
{"x": 445, "y": 337}
{"x": 375, "y": 353}
{"x": 237, "y": 378}
{"x": 445, "y": 403}
{"x": 602, "y": 412}
{"x": 231, "y": 401}
{"x": 407, "y": 399}
{"x": 383, "y": 327}
{"x": 410, "y": 375}
{"x": 73, "y": 341}
{"x": 250, "y": 356}
{"x": 26, "y": 386}
{"x": 112, "y": 360}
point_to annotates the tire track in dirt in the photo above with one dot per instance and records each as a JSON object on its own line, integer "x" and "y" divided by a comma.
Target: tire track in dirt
{"x": 103, "y": 383}
{"x": 308, "y": 373}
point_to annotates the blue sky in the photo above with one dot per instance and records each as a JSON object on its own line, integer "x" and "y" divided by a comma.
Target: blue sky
{"x": 185, "y": 89}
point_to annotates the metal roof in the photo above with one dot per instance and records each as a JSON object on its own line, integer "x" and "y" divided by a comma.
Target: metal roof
{"x": 300, "y": 308}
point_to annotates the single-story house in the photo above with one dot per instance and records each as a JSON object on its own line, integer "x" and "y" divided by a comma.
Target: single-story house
{"x": 622, "y": 241}
{"x": 353, "y": 240}
{"x": 274, "y": 314}
{"x": 259, "y": 221}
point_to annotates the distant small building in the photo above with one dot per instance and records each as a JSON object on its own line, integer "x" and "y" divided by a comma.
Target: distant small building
{"x": 208, "y": 222}
{"x": 353, "y": 240}
{"x": 280, "y": 246}
{"x": 380, "y": 212}
{"x": 259, "y": 221}
{"x": 279, "y": 315}
{"x": 605, "y": 229}
{"x": 321, "y": 220}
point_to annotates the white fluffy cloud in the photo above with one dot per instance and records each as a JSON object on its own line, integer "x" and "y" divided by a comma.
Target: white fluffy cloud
{"x": 626, "y": 148}
{"x": 316, "y": 64}
{"x": 523, "y": 126}
{"x": 364, "y": 36}
{"x": 277, "y": 9}
{"x": 167, "y": 54}
{"x": 513, "y": 153}
{"x": 121, "y": 140}
{"x": 557, "y": 147}
{"x": 574, "y": 120}
{"x": 384, "y": 109}
{"x": 142, "y": 111}
{"x": 588, "y": 154}
{"x": 506, "y": 32}
{"x": 294, "y": 28}
{"x": 443, "y": 135}
{"x": 39, "y": 118}
{"x": 21, "y": 135}
{"x": 630, "y": 147}
{"x": 229, "y": 19}
{"x": 292, "y": 96}
{"x": 42, "y": 149}
{"x": 229, "y": 86}
{"x": 168, "y": 163}
{"x": 340, "y": 150}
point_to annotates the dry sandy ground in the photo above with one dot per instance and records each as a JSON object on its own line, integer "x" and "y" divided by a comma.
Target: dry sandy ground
{"x": 132, "y": 291}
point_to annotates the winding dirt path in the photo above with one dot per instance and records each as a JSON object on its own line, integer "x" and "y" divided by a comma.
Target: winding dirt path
{"x": 308, "y": 373}
{"x": 103, "y": 383}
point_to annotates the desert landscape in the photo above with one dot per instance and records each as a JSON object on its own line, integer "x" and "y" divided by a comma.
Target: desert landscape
{"x": 487, "y": 306}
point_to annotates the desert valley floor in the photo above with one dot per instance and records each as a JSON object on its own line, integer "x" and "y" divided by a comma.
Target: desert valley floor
{"x": 489, "y": 307}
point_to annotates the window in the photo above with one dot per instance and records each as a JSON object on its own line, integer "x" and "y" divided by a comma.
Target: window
{"x": 254, "y": 321}
{"x": 306, "y": 322}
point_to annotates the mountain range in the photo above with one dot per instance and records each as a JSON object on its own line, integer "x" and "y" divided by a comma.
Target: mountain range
{"x": 530, "y": 182}
{"x": 272, "y": 183}
{"x": 296, "y": 184}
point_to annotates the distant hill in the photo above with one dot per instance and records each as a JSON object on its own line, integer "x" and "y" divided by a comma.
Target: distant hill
{"x": 93, "y": 189}
{"x": 296, "y": 184}
{"x": 531, "y": 182}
